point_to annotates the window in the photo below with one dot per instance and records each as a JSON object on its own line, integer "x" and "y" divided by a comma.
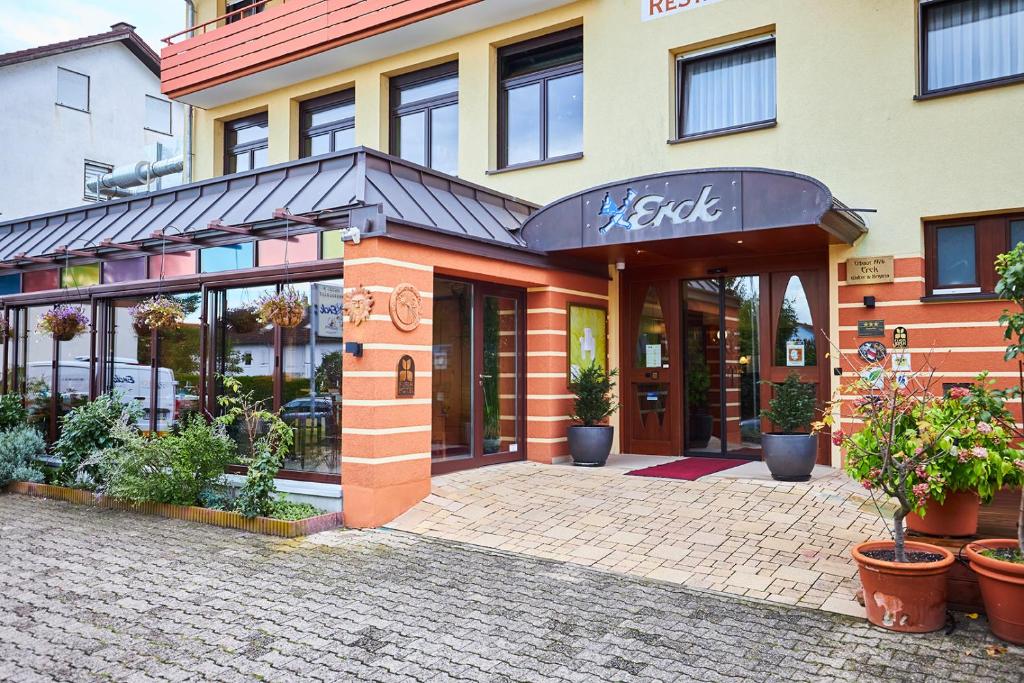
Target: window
{"x": 158, "y": 115}
{"x": 425, "y": 117}
{"x": 251, "y": 7}
{"x": 245, "y": 144}
{"x": 961, "y": 253}
{"x": 327, "y": 124}
{"x": 93, "y": 171}
{"x": 230, "y": 257}
{"x": 541, "y": 99}
{"x": 970, "y": 42}
{"x": 726, "y": 90}
{"x": 72, "y": 89}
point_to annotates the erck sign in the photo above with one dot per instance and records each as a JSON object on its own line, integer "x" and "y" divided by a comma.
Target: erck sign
{"x": 651, "y": 210}
{"x": 656, "y": 9}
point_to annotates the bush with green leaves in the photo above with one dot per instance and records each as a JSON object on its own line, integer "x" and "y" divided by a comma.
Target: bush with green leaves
{"x": 88, "y": 429}
{"x": 268, "y": 437}
{"x": 792, "y": 408}
{"x": 292, "y": 511}
{"x": 593, "y": 401}
{"x": 176, "y": 469}
{"x": 18, "y": 449}
{"x": 12, "y": 412}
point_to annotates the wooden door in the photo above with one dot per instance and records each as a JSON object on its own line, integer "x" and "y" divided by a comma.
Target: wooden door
{"x": 651, "y": 372}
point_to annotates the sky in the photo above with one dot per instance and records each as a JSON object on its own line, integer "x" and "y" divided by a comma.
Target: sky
{"x": 40, "y": 22}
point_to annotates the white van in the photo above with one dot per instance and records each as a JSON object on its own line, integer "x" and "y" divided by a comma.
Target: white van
{"x": 130, "y": 379}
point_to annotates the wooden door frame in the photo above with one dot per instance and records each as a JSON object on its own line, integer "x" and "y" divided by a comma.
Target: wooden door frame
{"x": 696, "y": 269}
{"x": 477, "y": 458}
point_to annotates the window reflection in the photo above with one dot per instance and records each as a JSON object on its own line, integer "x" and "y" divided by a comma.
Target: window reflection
{"x": 128, "y": 363}
{"x": 452, "y": 381}
{"x": 178, "y": 366}
{"x": 38, "y": 372}
{"x": 652, "y": 338}
{"x": 794, "y": 331}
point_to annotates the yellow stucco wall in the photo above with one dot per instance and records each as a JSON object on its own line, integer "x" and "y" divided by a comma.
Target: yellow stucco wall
{"x": 847, "y": 76}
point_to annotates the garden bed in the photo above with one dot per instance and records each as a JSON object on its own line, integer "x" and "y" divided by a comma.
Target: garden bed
{"x": 222, "y": 518}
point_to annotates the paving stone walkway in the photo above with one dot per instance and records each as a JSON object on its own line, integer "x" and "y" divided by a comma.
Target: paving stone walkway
{"x": 89, "y": 594}
{"x": 741, "y": 534}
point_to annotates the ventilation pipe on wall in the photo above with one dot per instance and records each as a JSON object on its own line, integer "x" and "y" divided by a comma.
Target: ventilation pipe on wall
{"x": 134, "y": 175}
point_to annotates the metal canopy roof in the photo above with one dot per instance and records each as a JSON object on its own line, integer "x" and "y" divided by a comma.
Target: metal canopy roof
{"x": 355, "y": 187}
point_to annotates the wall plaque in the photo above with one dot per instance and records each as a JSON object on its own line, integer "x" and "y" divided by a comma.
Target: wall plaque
{"x": 900, "y": 338}
{"x": 405, "y": 377}
{"x": 873, "y": 351}
{"x": 358, "y": 304}
{"x": 869, "y": 270}
{"x": 405, "y": 307}
{"x": 870, "y": 328}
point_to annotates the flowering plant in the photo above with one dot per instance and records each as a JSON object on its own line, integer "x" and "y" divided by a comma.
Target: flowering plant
{"x": 157, "y": 313}
{"x": 63, "y": 321}
{"x": 286, "y": 308}
{"x": 914, "y": 445}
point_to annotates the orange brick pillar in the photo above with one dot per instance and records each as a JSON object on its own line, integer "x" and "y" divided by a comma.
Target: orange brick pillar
{"x": 385, "y": 451}
{"x": 548, "y": 401}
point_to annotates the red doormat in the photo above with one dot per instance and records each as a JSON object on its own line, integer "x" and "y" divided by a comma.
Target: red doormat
{"x": 689, "y": 469}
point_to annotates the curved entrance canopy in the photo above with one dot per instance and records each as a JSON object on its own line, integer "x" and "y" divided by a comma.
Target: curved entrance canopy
{"x": 694, "y": 203}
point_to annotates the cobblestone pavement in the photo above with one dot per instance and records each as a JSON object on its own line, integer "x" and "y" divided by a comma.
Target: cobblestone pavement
{"x": 744, "y": 535}
{"x": 90, "y": 594}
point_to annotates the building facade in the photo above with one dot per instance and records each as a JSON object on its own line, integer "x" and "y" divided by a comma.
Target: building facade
{"x": 704, "y": 195}
{"x": 75, "y": 110}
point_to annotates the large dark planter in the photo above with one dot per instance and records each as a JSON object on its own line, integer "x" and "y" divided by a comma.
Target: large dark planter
{"x": 790, "y": 457}
{"x": 904, "y": 596}
{"x": 700, "y": 430}
{"x": 1002, "y": 589}
{"x": 590, "y": 446}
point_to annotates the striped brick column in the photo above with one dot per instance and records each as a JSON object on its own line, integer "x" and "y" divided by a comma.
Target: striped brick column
{"x": 548, "y": 401}
{"x": 385, "y": 462}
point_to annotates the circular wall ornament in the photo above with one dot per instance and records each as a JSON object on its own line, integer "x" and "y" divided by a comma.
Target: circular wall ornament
{"x": 358, "y": 304}
{"x": 873, "y": 351}
{"x": 405, "y": 306}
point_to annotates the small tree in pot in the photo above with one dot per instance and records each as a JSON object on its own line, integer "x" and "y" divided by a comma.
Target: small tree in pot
{"x": 590, "y": 441}
{"x": 791, "y": 451}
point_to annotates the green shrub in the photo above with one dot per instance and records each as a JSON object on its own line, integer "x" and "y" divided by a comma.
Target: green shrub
{"x": 18, "y": 449}
{"x": 291, "y": 511}
{"x": 88, "y": 429}
{"x": 174, "y": 469}
{"x": 12, "y": 412}
{"x": 792, "y": 407}
{"x": 592, "y": 388}
{"x": 268, "y": 438}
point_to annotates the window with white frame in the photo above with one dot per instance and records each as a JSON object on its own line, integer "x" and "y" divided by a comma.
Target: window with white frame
{"x": 726, "y": 89}
{"x": 72, "y": 89}
{"x": 158, "y": 115}
{"x": 93, "y": 171}
{"x": 970, "y": 42}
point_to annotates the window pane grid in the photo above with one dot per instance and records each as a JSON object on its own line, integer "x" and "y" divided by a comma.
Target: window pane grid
{"x": 424, "y": 117}
{"x": 327, "y": 124}
{"x": 973, "y": 41}
{"x": 729, "y": 90}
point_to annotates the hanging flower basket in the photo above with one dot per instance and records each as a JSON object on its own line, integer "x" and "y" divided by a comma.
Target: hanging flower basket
{"x": 157, "y": 313}
{"x": 242, "y": 320}
{"x": 284, "y": 309}
{"x": 64, "y": 322}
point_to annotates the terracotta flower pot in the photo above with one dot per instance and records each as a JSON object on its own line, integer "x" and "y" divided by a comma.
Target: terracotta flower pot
{"x": 958, "y": 516}
{"x": 1002, "y": 589}
{"x": 904, "y": 596}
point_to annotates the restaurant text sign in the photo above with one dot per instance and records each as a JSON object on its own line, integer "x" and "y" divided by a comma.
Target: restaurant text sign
{"x": 869, "y": 270}
{"x": 656, "y": 9}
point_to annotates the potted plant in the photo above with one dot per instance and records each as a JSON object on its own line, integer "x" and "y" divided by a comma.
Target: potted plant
{"x": 790, "y": 452}
{"x": 64, "y": 322}
{"x": 978, "y": 463}
{"x": 905, "y": 433}
{"x": 590, "y": 441}
{"x": 157, "y": 313}
{"x": 999, "y": 563}
{"x": 286, "y": 308}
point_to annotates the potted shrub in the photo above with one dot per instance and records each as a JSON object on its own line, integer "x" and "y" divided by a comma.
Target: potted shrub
{"x": 999, "y": 563}
{"x": 979, "y": 460}
{"x": 286, "y": 308}
{"x": 157, "y": 313}
{"x": 790, "y": 452}
{"x": 64, "y": 322}
{"x": 590, "y": 441}
{"x": 904, "y": 434}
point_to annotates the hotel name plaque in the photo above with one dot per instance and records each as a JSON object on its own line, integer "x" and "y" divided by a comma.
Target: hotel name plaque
{"x": 869, "y": 270}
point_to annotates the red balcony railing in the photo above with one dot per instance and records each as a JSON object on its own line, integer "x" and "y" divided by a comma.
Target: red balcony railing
{"x": 280, "y": 34}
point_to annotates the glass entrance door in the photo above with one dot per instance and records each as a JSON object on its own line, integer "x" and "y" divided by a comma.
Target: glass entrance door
{"x": 722, "y": 366}
{"x": 650, "y": 377}
{"x": 477, "y": 376}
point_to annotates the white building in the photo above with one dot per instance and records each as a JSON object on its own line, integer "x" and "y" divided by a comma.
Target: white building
{"x": 73, "y": 110}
